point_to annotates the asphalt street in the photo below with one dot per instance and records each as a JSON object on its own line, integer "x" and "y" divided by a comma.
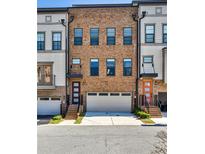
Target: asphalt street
{"x": 97, "y": 139}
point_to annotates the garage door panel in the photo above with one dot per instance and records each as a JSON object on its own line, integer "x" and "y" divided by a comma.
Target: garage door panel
{"x": 108, "y": 103}
{"x": 48, "y": 107}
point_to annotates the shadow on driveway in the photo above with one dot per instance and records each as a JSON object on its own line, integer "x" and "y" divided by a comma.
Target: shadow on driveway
{"x": 43, "y": 120}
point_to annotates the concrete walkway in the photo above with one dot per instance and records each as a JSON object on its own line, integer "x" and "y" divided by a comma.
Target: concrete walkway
{"x": 104, "y": 118}
{"x": 161, "y": 121}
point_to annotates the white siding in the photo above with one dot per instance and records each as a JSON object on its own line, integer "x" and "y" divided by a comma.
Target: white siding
{"x": 154, "y": 49}
{"x": 55, "y": 17}
{"x": 58, "y": 60}
{"x": 57, "y": 56}
{"x": 48, "y": 29}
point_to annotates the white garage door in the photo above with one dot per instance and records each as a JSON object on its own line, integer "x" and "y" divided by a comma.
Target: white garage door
{"x": 108, "y": 102}
{"x": 48, "y": 106}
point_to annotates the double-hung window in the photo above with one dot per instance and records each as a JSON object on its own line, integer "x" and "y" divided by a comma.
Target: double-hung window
{"x": 127, "y": 36}
{"x": 149, "y": 33}
{"x": 78, "y": 36}
{"x": 76, "y": 61}
{"x": 110, "y": 36}
{"x": 164, "y": 33}
{"x": 110, "y": 67}
{"x": 94, "y": 36}
{"x": 127, "y": 67}
{"x": 148, "y": 59}
{"x": 56, "y": 43}
{"x": 94, "y": 67}
{"x": 40, "y": 41}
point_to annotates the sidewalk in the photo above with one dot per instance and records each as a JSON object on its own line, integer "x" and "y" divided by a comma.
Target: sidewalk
{"x": 161, "y": 121}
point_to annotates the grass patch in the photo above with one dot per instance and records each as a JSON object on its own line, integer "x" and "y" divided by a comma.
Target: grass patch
{"x": 147, "y": 121}
{"x": 79, "y": 119}
{"x": 56, "y": 119}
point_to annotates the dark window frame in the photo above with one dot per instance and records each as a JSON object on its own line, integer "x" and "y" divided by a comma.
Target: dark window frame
{"x": 164, "y": 34}
{"x": 127, "y": 67}
{"x": 114, "y": 67}
{"x": 57, "y": 41}
{"x": 148, "y": 56}
{"x": 127, "y": 37}
{"x": 149, "y": 34}
{"x": 91, "y": 67}
{"x": 76, "y": 64}
{"x": 91, "y": 38}
{"x": 109, "y": 43}
{"x": 75, "y": 38}
{"x": 44, "y": 42}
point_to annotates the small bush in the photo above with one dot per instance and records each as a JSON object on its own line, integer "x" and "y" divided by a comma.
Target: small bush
{"x": 57, "y": 117}
{"x": 143, "y": 115}
{"x": 137, "y": 110}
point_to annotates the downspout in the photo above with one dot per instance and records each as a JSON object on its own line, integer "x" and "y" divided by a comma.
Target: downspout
{"x": 138, "y": 19}
{"x": 71, "y": 18}
{"x": 66, "y": 25}
{"x": 134, "y": 16}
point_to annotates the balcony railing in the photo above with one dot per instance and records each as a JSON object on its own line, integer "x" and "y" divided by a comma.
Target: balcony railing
{"x": 46, "y": 81}
{"x": 75, "y": 71}
{"x": 144, "y": 103}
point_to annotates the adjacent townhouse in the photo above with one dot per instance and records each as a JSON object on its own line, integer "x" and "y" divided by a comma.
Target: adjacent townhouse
{"x": 102, "y": 57}
{"x": 153, "y": 53}
{"x": 50, "y": 60}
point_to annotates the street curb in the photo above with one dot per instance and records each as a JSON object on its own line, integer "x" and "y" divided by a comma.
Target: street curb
{"x": 154, "y": 125}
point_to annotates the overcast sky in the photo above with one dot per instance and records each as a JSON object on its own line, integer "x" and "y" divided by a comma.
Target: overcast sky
{"x": 66, "y": 3}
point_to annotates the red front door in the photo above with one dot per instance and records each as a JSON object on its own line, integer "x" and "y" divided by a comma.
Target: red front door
{"x": 147, "y": 89}
{"x": 76, "y": 93}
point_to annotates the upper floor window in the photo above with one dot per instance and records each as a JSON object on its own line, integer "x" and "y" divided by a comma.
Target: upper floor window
{"x": 94, "y": 67}
{"x": 76, "y": 61}
{"x": 110, "y": 36}
{"x": 127, "y": 36}
{"x": 110, "y": 67}
{"x": 40, "y": 41}
{"x": 78, "y": 36}
{"x": 148, "y": 59}
{"x": 56, "y": 45}
{"x": 48, "y": 18}
{"x": 149, "y": 33}
{"x": 164, "y": 33}
{"x": 94, "y": 36}
{"x": 158, "y": 10}
{"x": 127, "y": 67}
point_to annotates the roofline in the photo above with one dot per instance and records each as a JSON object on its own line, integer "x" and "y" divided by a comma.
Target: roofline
{"x": 101, "y": 5}
{"x": 149, "y": 2}
{"x": 53, "y": 9}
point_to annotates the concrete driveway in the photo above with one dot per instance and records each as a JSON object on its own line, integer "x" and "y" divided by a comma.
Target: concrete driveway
{"x": 43, "y": 120}
{"x": 110, "y": 118}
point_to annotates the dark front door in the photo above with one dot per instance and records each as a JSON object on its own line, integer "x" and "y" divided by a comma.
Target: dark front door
{"x": 76, "y": 93}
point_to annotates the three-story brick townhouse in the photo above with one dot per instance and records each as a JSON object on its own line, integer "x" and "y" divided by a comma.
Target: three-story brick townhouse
{"x": 152, "y": 83}
{"x": 102, "y": 57}
{"x": 50, "y": 60}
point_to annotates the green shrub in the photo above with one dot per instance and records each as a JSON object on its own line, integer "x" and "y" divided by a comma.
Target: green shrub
{"x": 57, "y": 117}
{"x": 137, "y": 110}
{"x": 143, "y": 115}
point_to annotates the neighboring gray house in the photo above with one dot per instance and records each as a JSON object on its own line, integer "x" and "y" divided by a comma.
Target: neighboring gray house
{"x": 153, "y": 53}
{"x": 50, "y": 60}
